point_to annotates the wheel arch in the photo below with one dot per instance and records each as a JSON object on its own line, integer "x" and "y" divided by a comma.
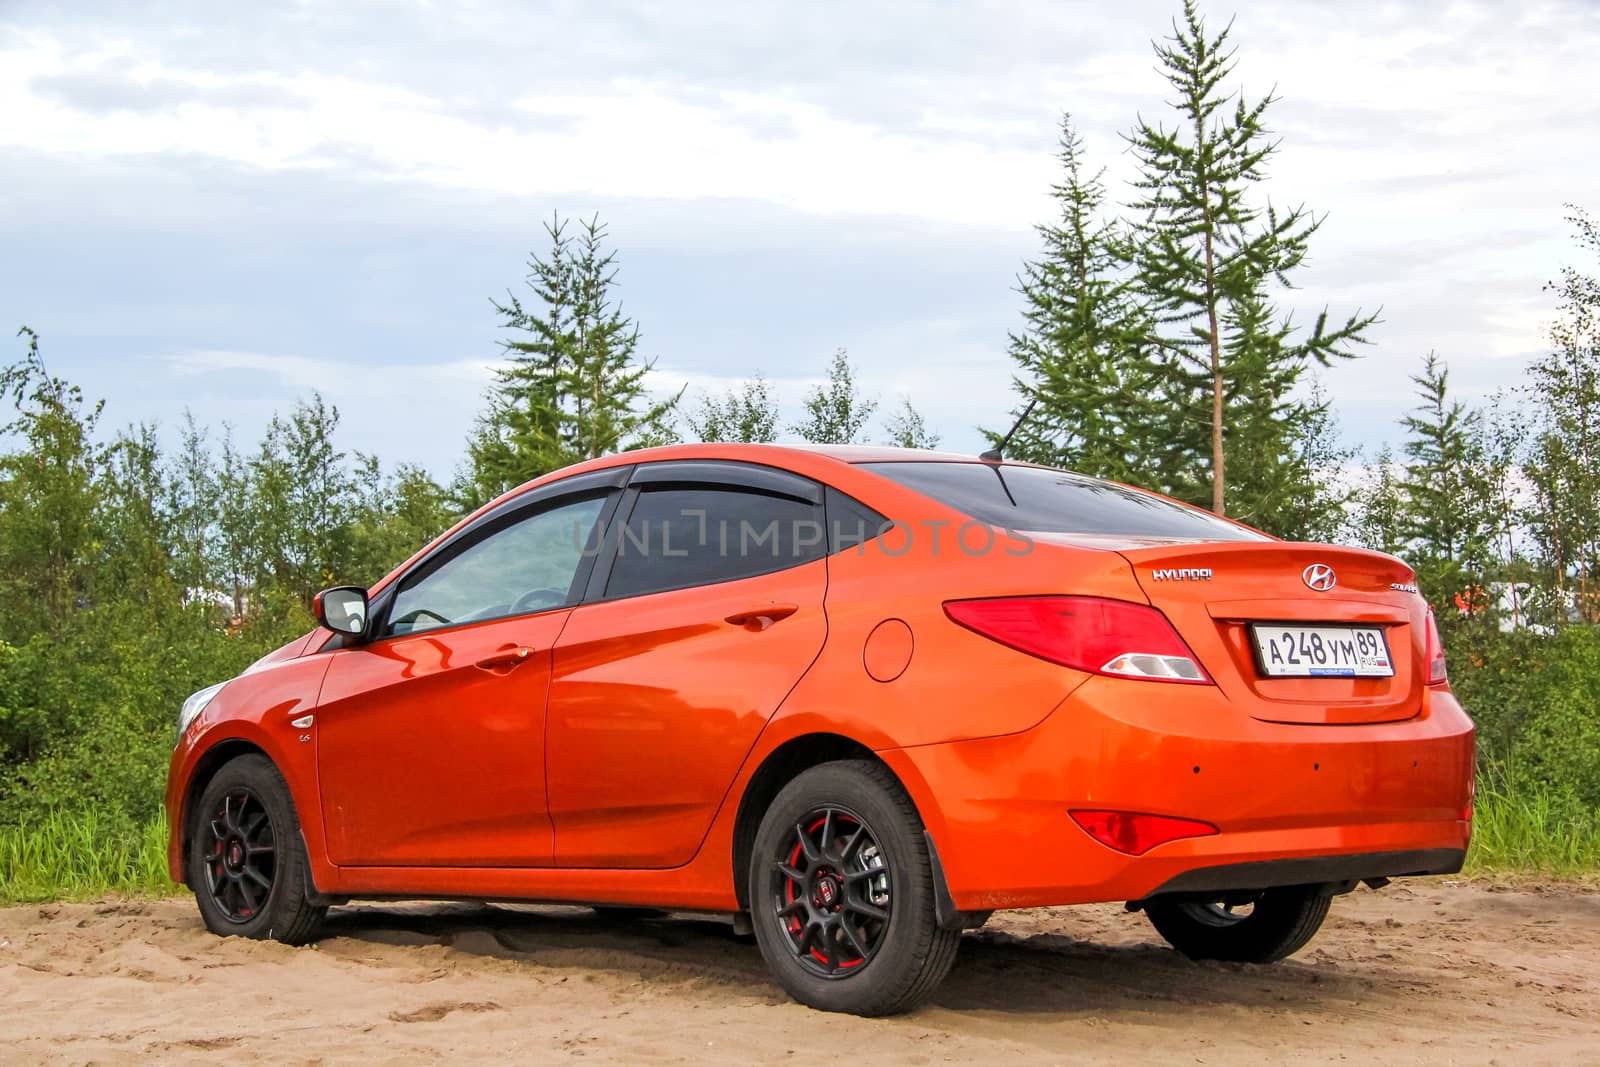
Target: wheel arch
{"x": 206, "y": 767}
{"x": 778, "y": 769}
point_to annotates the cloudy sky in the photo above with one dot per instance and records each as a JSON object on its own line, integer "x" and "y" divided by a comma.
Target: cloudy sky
{"x": 225, "y": 207}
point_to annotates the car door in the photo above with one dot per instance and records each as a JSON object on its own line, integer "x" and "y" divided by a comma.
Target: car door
{"x": 706, "y": 610}
{"x": 430, "y": 737}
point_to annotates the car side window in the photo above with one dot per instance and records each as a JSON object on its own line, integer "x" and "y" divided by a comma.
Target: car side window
{"x": 680, "y": 536}
{"x": 526, "y": 567}
{"x": 851, "y": 524}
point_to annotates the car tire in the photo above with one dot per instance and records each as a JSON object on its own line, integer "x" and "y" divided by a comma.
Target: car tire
{"x": 247, "y": 860}
{"x": 1279, "y": 923}
{"x": 841, "y": 893}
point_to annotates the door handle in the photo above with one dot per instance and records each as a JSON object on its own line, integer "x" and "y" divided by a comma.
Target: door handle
{"x": 506, "y": 659}
{"x": 757, "y": 619}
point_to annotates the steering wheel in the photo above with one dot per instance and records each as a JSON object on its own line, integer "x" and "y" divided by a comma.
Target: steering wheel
{"x": 537, "y": 600}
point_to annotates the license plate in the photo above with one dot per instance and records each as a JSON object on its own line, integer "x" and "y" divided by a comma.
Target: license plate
{"x": 1292, "y": 651}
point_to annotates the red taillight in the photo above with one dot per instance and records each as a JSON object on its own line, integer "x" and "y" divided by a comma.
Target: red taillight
{"x": 1435, "y": 652}
{"x": 1086, "y": 633}
{"x": 1136, "y": 834}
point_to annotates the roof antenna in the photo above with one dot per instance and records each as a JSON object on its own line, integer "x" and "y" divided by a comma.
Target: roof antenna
{"x": 995, "y": 454}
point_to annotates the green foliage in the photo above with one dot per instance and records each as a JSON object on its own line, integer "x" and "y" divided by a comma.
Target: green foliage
{"x": 905, "y": 428}
{"x": 48, "y": 494}
{"x": 83, "y": 855}
{"x": 1153, "y": 343}
{"x": 1531, "y": 830}
{"x": 746, "y": 415}
{"x": 1448, "y": 524}
{"x": 1379, "y": 508}
{"x": 1082, "y": 351}
{"x": 1558, "y": 746}
{"x": 1563, "y": 465}
{"x": 574, "y": 388}
{"x": 1294, "y": 488}
{"x": 836, "y": 412}
{"x": 1204, "y": 254}
{"x": 132, "y": 578}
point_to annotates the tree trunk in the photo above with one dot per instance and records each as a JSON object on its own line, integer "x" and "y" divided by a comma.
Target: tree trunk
{"x": 1218, "y": 474}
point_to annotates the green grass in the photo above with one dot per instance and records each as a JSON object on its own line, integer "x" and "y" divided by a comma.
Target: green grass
{"x": 1533, "y": 832}
{"x": 76, "y": 856}
{"x": 73, "y": 856}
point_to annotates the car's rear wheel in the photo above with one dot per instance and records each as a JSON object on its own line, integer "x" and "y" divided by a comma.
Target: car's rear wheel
{"x": 1258, "y": 926}
{"x": 247, "y": 861}
{"x": 841, "y": 893}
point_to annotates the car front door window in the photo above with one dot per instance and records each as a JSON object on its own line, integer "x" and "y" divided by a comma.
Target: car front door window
{"x": 527, "y": 567}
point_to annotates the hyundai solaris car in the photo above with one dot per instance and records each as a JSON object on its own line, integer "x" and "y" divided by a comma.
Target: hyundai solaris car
{"x": 855, "y": 698}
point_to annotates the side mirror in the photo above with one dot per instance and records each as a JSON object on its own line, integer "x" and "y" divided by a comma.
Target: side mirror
{"x": 343, "y": 609}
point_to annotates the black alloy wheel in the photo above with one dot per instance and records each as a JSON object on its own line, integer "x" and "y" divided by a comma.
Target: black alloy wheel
{"x": 241, "y": 858}
{"x": 245, "y": 857}
{"x": 842, "y": 895}
{"x": 832, "y": 891}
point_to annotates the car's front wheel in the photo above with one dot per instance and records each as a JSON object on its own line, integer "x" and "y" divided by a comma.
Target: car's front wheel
{"x": 1260, "y": 926}
{"x": 841, "y": 893}
{"x": 247, "y": 862}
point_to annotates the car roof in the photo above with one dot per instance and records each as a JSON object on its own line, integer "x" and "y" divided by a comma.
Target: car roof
{"x": 882, "y": 453}
{"x": 776, "y": 455}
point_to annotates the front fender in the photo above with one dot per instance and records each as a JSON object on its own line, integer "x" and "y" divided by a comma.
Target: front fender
{"x": 256, "y": 709}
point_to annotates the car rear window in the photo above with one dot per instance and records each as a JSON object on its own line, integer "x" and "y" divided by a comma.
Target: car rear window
{"x": 1050, "y": 501}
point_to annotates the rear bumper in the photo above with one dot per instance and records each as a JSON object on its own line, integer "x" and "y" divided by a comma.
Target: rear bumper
{"x": 1314, "y": 870}
{"x": 1294, "y": 803}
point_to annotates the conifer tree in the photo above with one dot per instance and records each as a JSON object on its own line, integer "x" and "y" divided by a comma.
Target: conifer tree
{"x": 574, "y": 387}
{"x": 1448, "y": 517}
{"x": 1082, "y": 352}
{"x": 1205, "y": 253}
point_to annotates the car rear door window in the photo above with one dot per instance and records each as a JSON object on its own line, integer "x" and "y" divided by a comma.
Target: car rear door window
{"x": 1041, "y": 500}
{"x": 679, "y": 536}
{"x": 526, "y": 567}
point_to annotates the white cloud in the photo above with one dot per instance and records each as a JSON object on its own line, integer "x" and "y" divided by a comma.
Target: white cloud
{"x": 1442, "y": 140}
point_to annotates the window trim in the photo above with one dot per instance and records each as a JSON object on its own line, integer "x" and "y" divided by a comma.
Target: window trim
{"x": 726, "y": 475}
{"x": 717, "y": 472}
{"x": 502, "y": 516}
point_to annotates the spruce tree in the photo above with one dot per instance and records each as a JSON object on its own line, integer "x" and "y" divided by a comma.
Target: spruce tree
{"x": 1205, "y": 254}
{"x": 1449, "y": 519}
{"x": 574, "y": 386}
{"x": 1082, "y": 352}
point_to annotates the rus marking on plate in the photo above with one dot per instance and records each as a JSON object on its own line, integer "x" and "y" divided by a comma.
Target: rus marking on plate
{"x": 1182, "y": 574}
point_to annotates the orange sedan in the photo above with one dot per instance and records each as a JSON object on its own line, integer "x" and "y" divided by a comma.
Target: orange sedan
{"x": 856, "y": 698}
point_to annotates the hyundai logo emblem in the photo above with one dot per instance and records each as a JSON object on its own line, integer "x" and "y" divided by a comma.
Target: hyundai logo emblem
{"x": 1319, "y": 576}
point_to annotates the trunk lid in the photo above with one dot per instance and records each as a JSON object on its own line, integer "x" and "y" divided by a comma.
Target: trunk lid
{"x": 1214, "y": 592}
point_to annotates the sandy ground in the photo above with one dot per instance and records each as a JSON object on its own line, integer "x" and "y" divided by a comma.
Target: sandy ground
{"x": 1425, "y": 972}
